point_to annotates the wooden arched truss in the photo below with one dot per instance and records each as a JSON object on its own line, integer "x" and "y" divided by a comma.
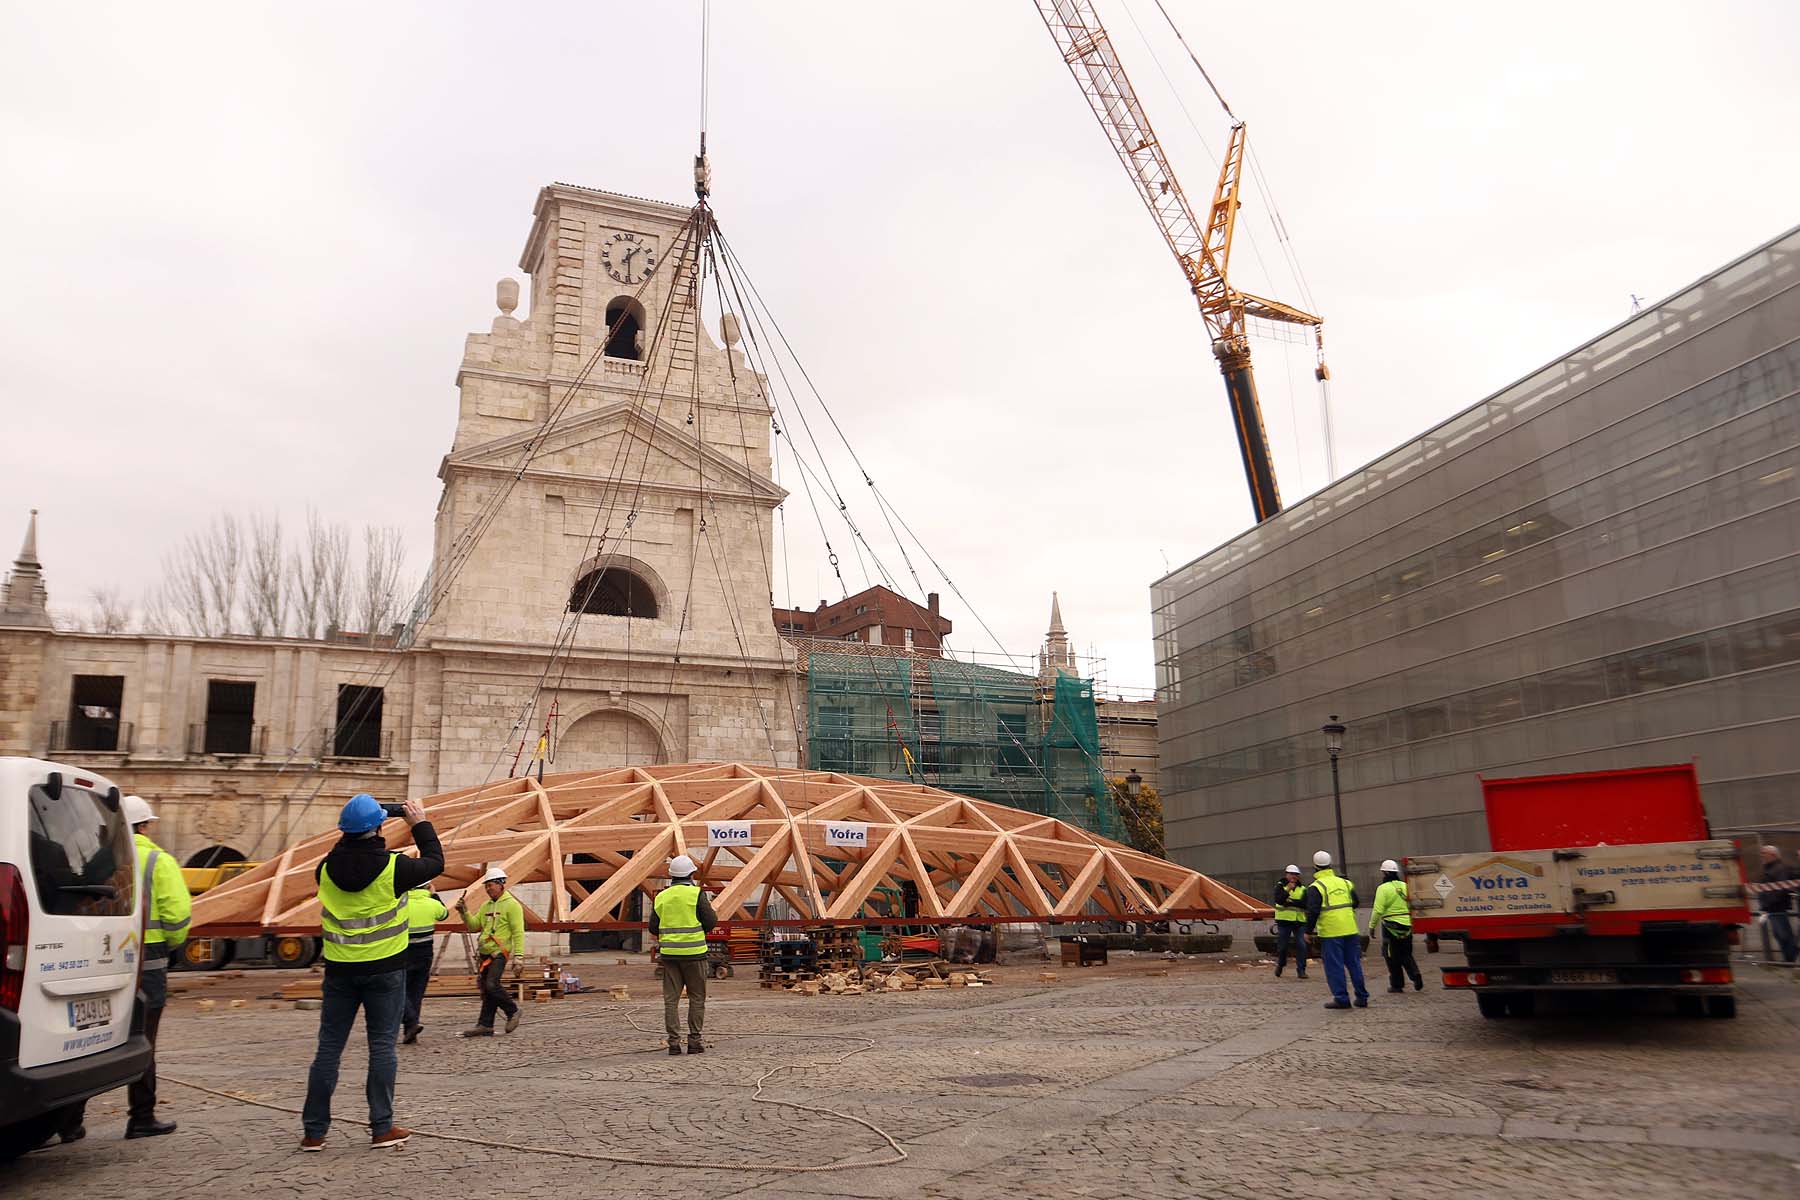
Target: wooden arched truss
{"x": 598, "y": 836}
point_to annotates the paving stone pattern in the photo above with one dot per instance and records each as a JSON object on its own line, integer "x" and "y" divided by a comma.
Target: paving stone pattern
{"x": 1212, "y": 1080}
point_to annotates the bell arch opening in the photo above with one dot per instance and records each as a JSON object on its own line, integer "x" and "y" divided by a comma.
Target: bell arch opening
{"x": 614, "y": 591}
{"x": 625, "y": 329}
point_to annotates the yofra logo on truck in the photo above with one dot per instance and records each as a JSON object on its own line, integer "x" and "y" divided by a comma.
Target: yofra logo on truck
{"x": 1502, "y": 884}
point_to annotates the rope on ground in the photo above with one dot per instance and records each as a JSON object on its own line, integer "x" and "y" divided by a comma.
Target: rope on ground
{"x": 630, "y": 1160}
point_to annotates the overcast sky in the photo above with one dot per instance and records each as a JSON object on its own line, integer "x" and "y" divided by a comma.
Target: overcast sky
{"x": 244, "y": 243}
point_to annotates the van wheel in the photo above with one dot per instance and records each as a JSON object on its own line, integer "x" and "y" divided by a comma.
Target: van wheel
{"x": 1491, "y": 1004}
{"x": 293, "y": 951}
{"x": 1721, "y": 1006}
{"x": 22, "y": 1137}
{"x": 205, "y": 954}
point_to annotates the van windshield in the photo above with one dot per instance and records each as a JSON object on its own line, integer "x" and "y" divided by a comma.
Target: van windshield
{"x": 81, "y": 854}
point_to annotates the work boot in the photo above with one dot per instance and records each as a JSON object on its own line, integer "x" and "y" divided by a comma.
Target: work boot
{"x": 1418, "y": 985}
{"x": 1278, "y": 967}
{"x": 512, "y": 1022}
{"x": 1299, "y": 974}
{"x": 675, "y": 1049}
{"x": 1395, "y": 988}
{"x": 479, "y": 1031}
{"x": 150, "y": 1128}
{"x": 696, "y": 1046}
{"x": 392, "y": 1138}
{"x": 411, "y": 1035}
{"x": 1337, "y": 1004}
{"x": 1362, "y": 1002}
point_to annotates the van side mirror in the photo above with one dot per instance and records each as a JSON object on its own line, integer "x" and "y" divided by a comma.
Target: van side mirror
{"x": 112, "y": 798}
{"x": 53, "y": 785}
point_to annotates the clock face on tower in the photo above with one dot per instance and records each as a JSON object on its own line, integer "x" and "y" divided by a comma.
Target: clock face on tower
{"x": 627, "y": 257}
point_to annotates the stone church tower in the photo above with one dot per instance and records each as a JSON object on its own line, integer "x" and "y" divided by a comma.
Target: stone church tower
{"x": 624, "y": 479}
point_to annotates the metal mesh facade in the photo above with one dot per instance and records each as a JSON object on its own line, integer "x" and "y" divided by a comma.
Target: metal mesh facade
{"x": 1594, "y": 568}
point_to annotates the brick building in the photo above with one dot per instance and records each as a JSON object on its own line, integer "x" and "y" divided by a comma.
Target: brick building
{"x": 876, "y": 616}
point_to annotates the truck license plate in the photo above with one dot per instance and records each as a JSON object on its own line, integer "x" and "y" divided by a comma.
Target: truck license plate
{"x": 85, "y": 1014}
{"x": 1581, "y": 977}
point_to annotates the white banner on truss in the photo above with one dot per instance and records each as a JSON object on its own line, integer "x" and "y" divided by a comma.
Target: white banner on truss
{"x": 849, "y": 835}
{"x": 728, "y": 833}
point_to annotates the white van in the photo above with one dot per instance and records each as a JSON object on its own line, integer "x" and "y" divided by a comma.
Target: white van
{"x": 70, "y": 947}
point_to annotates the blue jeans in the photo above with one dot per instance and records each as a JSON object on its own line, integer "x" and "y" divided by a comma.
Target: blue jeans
{"x": 1343, "y": 954}
{"x": 1290, "y": 934}
{"x": 381, "y": 998}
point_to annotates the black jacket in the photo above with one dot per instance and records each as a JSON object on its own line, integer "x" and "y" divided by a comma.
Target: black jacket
{"x": 356, "y": 861}
{"x": 1281, "y": 895}
{"x": 708, "y": 918}
{"x": 1782, "y": 901}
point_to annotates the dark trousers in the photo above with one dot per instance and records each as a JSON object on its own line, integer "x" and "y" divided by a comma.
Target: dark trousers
{"x": 684, "y": 971}
{"x": 1400, "y": 962}
{"x": 1290, "y": 933}
{"x": 493, "y": 991}
{"x": 140, "y": 1094}
{"x": 381, "y": 998}
{"x": 1343, "y": 956}
{"x": 1781, "y": 924}
{"x": 418, "y": 974}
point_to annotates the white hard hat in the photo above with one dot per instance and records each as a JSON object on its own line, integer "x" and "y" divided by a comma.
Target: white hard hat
{"x": 494, "y": 875}
{"x": 1322, "y": 858}
{"x": 1293, "y": 869}
{"x": 137, "y": 810}
{"x": 1388, "y": 864}
{"x": 681, "y": 866}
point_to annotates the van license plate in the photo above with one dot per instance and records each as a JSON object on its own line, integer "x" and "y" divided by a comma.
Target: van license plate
{"x": 1582, "y": 977}
{"x": 85, "y": 1014}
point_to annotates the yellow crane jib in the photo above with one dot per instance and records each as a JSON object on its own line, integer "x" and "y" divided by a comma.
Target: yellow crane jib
{"x": 1203, "y": 248}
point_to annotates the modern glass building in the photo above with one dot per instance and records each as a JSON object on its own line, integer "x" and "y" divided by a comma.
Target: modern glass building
{"x": 1597, "y": 567}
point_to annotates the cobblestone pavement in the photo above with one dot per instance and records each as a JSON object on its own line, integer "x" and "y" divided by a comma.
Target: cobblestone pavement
{"x": 1143, "y": 1079}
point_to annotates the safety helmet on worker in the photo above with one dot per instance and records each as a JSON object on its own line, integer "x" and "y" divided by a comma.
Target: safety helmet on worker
{"x": 1388, "y": 864}
{"x": 362, "y": 814}
{"x": 1293, "y": 869}
{"x": 681, "y": 867}
{"x": 494, "y": 875}
{"x": 1322, "y": 858}
{"x": 136, "y": 810}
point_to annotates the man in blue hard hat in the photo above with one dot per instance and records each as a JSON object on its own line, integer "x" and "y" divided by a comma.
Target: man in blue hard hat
{"x": 363, "y": 913}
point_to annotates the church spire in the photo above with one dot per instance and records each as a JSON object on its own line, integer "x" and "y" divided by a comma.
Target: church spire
{"x": 1056, "y": 625}
{"x": 1056, "y": 658}
{"x": 25, "y": 600}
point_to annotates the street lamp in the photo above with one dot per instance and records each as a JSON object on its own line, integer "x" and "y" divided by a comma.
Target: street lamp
{"x": 1334, "y": 744}
{"x": 1134, "y": 783}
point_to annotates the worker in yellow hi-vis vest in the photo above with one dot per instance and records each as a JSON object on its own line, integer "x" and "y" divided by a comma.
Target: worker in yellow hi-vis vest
{"x": 1331, "y": 913}
{"x": 682, "y": 918}
{"x": 501, "y": 923}
{"x": 1394, "y": 915}
{"x": 1290, "y": 921}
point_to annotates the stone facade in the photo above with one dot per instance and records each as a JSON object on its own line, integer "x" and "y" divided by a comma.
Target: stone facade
{"x": 603, "y": 441}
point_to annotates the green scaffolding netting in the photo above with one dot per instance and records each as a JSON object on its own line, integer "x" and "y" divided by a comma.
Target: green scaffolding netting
{"x": 983, "y": 732}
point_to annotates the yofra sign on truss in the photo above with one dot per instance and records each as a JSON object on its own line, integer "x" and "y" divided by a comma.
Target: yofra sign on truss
{"x": 728, "y": 833}
{"x": 850, "y": 835}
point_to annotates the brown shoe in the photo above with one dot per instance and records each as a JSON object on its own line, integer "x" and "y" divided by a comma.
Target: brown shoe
{"x": 696, "y": 1046}
{"x": 479, "y": 1031}
{"x": 387, "y": 1141}
{"x": 512, "y": 1022}
{"x": 312, "y": 1145}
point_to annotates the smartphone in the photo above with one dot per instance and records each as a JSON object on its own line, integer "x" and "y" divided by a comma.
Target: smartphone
{"x": 393, "y": 810}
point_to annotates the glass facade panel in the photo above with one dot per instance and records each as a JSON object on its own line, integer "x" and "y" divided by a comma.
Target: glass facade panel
{"x": 1596, "y": 567}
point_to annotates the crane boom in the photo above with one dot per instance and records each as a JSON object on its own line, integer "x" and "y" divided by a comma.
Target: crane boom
{"x": 1202, "y": 247}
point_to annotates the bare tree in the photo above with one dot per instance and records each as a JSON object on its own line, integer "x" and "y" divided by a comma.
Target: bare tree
{"x": 334, "y": 578}
{"x": 111, "y": 612}
{"x": 201, "y": 577}
{"x": 306, "y": 574}
{"x": 266, "y": 597}
{"x": 158, "y": 613}
{"x": 379, "y": 601}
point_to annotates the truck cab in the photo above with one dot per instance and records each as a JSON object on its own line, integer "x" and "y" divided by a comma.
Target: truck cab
{"x": 70, "y": 949}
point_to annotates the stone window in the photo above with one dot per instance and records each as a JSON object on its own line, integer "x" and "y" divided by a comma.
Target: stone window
{"x": 94, "y": 704}
{"x": 613, "y": 592}
{"x": 230, "y": 717}
{"x": 625, "y": 329}
{"x": 357, "y": 733}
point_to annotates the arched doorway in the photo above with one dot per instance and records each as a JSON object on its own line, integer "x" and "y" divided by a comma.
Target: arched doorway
{"x": 214, "y": 856}
{"x": 609, "y": 738}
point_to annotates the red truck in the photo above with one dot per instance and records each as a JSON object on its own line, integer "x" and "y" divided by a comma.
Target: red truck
{"x": 1600, "y": 881}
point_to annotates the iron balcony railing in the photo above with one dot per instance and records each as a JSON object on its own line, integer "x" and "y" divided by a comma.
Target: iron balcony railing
{"x": 90, "y": 737}
{"x": 356, "y": 742}
{"x": 226, "y": 736}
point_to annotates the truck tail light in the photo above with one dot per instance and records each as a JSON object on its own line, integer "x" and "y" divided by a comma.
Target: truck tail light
{"x": 1706, "y": 975}
{"x": 1464, "y": 978}
{"x": 15, "y": 936}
